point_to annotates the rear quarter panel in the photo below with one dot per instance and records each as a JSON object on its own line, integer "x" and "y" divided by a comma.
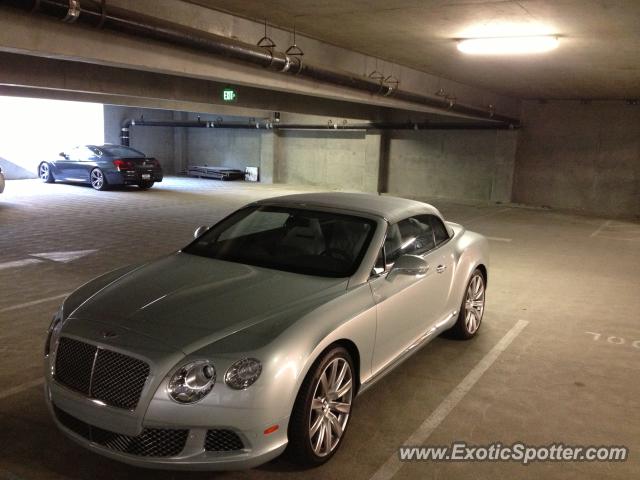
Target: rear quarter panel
{"x": 470, "y": 250}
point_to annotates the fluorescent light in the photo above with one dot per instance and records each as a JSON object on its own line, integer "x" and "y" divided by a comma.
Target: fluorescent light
{"x": 508, "y": 45}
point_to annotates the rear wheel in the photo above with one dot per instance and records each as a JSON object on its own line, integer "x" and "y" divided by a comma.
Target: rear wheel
{"x": 145, "y": 185}
{"x": 321, "y": 413}
{"x": 472, "y": 308}
{"x": 44, "y": 172}
{"x": 98, "y": 181}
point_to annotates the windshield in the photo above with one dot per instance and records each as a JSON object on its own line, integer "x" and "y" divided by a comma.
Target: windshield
{"x": 121, "y": 151}
{"x": 289, "y": 239}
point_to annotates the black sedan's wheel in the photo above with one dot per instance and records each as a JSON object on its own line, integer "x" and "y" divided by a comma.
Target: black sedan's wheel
{"x": 146, "y": 185}
{"x": 44, "y": 172}
{"x": 321, "y": 413}
{"x": 472, "y": 308}
{"x": 97, "y": 179}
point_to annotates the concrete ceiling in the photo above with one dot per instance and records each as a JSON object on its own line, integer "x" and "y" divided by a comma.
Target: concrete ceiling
{"x": 598, "y": 56}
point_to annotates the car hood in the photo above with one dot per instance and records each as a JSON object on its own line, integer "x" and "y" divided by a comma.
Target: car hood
{"x": 187, "y": 302}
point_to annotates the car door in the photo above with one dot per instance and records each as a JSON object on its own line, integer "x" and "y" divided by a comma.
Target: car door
{"x": 64, "y": 166}
{"x": 408, "y": 306}
{"x": 72, "y": 167}
{"x": 89, "y": 158}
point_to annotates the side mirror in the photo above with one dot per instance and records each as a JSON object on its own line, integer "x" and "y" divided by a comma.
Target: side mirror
{"x": 64, "y": 155}
{"x": 409, "y": 265}
{"x": 200, "y": 230}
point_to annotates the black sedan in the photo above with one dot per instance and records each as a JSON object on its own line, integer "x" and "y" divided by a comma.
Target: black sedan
{"x": 103, "y": 166}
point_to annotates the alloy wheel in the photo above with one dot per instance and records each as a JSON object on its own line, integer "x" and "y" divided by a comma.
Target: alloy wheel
{"x": 474, "y": 303}
{"x": 44, "y": 172}
{"x": 330, "y": 407}
{"x": 97, "y": 179}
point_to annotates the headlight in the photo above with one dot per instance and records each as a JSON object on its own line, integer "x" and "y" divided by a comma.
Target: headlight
{"x": 192, "y": 382}
{"x": 243, "y": 373}
{"x": 53, "y": 332}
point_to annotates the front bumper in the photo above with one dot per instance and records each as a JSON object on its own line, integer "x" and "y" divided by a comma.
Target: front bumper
{"x": 193, "y": 455}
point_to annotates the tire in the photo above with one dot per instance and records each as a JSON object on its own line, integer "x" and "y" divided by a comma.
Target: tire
{"x": 333, "y": 410}
{"x": 471, "y": 309}
{"x": 146, "y": 185}
{"x": 44, "y": 172}
{"x": 98, "y": 180}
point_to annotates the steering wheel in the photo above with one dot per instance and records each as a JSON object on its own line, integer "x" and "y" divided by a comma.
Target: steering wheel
{"x": 337, "y": 253}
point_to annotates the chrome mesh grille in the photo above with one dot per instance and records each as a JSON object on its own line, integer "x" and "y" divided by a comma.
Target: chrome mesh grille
{"x": 74, "y": 363}
{"x": 222, "y": 441}
{"x": 104, "y": 375}
{"x": 152, "y": 442}
{"x": 118, "y": 380}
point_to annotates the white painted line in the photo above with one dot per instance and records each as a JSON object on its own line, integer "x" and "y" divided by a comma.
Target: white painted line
{"x": 63, "y": 257}
{"x": 490, "y": 214}
{"x": 19, "y": 263}
{"x": 605, "y": 224}
{"x": 21, "y": 388}
{"x": 34, "y": 302}
{"x": 499, "y": 239}
{"x": 419, "y": 437}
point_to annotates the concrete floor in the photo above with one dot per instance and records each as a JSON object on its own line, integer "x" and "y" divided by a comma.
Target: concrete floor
{"x": 566, "y": 275}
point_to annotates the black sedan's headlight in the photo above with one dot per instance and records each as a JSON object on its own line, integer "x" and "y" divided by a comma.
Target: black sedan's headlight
{"x": 192, "y": 381}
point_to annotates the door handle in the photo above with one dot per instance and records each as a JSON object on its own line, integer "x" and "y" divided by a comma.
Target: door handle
{"x": 441, "y": 268}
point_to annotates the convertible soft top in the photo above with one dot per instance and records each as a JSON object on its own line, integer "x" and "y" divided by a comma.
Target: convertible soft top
{"x": 391, "y": 208}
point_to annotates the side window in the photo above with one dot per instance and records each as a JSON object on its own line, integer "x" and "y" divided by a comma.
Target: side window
{"x": 80, "y": 154}
{"x": 439, "y": 230}
{"x": 412, "y": 235}
{"x": 417, "y": 235}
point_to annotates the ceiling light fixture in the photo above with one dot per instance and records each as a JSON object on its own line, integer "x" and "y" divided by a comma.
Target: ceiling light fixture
{"x": 508, "y": 45}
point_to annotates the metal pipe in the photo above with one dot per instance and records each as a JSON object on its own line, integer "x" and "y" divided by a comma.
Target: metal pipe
{"x": 124, "y": 21}
{"x": 267, "y": 125}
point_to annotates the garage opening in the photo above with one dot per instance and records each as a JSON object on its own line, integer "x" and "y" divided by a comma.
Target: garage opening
{"x": 35, "y": 129}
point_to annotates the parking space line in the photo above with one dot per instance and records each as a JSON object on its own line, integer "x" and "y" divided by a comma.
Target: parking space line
{"x": 490, "y": 214}
{"x": 34, "y": 302}
{"x": 599, "y": 229}
{"x": 19, "y": 263}
{"x": 424, "y": 431}
{"x": 21, "y": 388}
{"x": 499, "y": 239}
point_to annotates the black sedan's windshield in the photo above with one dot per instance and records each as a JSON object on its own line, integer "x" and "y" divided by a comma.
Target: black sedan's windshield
{"x": 289, "y": 239}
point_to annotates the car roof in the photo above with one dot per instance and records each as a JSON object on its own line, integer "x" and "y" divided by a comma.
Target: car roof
{"x": 391, "y": 208}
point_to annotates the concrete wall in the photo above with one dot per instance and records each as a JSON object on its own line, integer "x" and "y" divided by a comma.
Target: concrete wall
{"x": 462, "y": 165}
{"x": 158, "y": 142}
{"x": 580, "y": 157}
{"x": 328, "y": 159}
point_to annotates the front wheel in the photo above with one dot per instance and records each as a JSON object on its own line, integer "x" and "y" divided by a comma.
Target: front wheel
{"x": 472, "y": 308}
{"x": 321, "y": 413}
{"x": 98, "y": 181}
{"x": 145, "y": 185}
{"x": 44, "y": 172}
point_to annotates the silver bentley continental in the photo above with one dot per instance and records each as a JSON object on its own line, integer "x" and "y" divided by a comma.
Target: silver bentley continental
{"x": 258, "y": 336}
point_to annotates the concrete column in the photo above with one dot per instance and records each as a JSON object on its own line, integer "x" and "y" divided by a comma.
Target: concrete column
{"x": 372, "y": 162}
{"x": 384, "y": 150}
{"x": 505, "y": 154}
{"x": 268, "y": 158}
{"x": 180, "y": 144}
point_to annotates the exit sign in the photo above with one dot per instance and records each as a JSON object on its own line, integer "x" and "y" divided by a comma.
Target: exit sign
{"x": 229, "y": 95}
